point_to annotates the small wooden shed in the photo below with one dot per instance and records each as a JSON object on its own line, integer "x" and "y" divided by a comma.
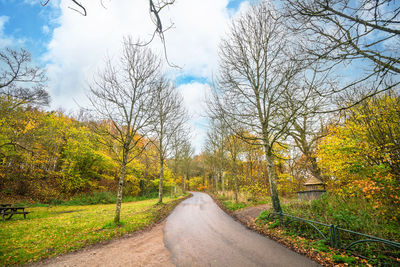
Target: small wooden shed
{"x": 313, "y": 183}
{"x": 314, "y": 189}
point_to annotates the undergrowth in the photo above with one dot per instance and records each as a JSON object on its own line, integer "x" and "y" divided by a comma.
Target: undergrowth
{"x": 354, "y": 214}
{"x": 104, "y": 197}
{"x": 244, "y": 200}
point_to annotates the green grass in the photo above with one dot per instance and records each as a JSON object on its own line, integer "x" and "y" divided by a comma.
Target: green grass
{"x": 344, "y": 259}
{"x": 244, "y": 201}
{"x": 50, "y": 231}
{"x": 233, "y": 206}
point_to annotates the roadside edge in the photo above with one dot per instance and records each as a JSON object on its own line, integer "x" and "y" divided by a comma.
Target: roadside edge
{"x": 253, "y": 227}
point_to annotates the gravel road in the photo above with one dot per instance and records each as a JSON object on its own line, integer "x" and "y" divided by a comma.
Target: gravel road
{"x": 199, "y": 233}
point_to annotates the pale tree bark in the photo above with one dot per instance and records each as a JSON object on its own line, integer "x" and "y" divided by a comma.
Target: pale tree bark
{"x": 160, "y": 187}
{"x": 271, "y": 179}
{"x": 122, "y": 97}
{"x": 120, "y": 188}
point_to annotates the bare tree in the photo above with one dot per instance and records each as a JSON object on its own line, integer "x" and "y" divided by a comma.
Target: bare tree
{"x": 187, "y": 154}
{"x": 170, "y": 116}
{"x": 211, "y": 155}
{"x": 233, "y": 148}
{"x": 364, "y": 33}
{"x": 309, "y": 124}
{"x": 123, "y": 96}
{"x": 216, "y": 145}
{"x": 257, "y": 76}
{"x": 21, "y": 81}
{"x": 177, "y": 144}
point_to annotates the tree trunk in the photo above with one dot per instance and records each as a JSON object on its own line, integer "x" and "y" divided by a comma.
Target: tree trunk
{"x": 160, "y": 188}
{"x": 175, "y": 185}
{"x": 211, "y": 178}
{"x": 175, "y": 172}
{"x": 184, "y": 183}
{"x": 120, "y": 188}
{"x": 272, "y": 184}
{"x": 315, "y": 170}
{"x": 236, "y": 183}
{"x": 216, "y": 182}
{"x": 222, "y": 182}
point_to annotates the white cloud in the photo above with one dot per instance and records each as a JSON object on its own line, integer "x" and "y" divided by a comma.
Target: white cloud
{"x": 80, "y": 44}
{"x": 195, "y": 95}
{"x": 4, "y": 40}
{"x": 45, "y": 29}
{"x": 7, "y": 40}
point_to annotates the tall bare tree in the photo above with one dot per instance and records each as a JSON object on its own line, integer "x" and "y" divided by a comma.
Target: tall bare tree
{"x": 187, "y": 158}
{"x": 170, "y": 116}
{"x": 20, "y": 80}
{"x": 233, "y": 143}
{"x": 177, "y": 143}
{"x": 257, "y": 76}
{"x": 122, "y": 95}
{"x": 211, "y": 159}
{"x": 216, "y": 146}
{"x": 309, "y": 124}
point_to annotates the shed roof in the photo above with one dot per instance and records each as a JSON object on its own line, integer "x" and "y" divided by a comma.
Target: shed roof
{"x": 312, "y": 180}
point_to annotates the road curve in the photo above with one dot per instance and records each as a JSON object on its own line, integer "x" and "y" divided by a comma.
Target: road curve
{"x": 199, "y": 233}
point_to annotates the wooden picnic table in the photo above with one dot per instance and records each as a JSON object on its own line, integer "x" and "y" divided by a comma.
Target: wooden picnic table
{"x": 7, "y": 211}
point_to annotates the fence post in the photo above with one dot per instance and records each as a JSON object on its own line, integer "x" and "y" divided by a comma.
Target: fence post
{"x": 337, "y": 236}
{"x": 332, "y": 235}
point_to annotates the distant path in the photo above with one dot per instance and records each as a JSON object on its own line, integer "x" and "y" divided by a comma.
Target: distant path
{"x": 199, "y": 233}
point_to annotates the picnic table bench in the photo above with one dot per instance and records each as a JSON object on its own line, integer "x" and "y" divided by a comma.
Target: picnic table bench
{"x": 7, "y": 211}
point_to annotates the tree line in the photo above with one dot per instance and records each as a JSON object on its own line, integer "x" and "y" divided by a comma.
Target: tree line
{"x": 135, "y": 124}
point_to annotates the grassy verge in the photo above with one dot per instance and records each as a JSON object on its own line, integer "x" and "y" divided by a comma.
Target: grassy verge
{"x": 244, "y": 201}
{"x": 50, "y": 231}
{"x": 300, "y": 237}
{"x": 351, "y": 213}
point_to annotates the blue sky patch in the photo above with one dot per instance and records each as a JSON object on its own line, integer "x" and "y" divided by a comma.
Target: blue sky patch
{"x": 29, "y": 23}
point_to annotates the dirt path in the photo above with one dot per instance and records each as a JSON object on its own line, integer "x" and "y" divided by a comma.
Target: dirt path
{"x": 248, "y": 215}
{"x": 142, "y": 249}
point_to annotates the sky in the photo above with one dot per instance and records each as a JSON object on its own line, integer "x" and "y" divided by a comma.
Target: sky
{"x": 72, "y": 48}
